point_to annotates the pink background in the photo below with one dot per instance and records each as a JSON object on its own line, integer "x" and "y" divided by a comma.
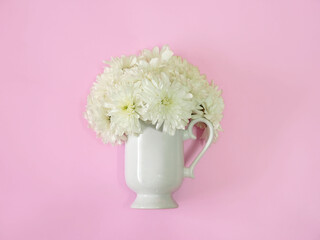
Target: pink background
{"x": 259, "y": 181}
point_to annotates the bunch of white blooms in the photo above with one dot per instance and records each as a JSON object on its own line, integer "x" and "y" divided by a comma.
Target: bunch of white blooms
{"x": 156, "y": 87}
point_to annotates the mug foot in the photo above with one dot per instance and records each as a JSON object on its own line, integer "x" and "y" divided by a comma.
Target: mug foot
{"x": 154, "y": 201}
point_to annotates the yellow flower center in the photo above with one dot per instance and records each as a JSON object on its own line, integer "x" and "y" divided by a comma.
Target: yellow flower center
{"x": 129, "y": 107}
{"x": 166, "y": 101}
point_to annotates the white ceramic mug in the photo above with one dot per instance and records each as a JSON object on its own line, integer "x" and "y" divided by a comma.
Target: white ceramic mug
{"x": 154, "y": 164}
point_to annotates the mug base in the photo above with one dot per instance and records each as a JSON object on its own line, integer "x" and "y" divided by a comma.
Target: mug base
{"x": 154, "y": 201}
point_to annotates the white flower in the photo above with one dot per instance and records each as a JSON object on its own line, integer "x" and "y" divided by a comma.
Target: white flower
{"x": 189, "y": 75}
{"x": 164, "y": 54}
{"x": 125, "y": 106}
{"x": 156, "y": 87}
{"x": 98, "y": 115}
{"x": 155, "y": 60}
{"x": 213, "y": 107}
{"x": 122, "y": 63}
{"x": 168, "y": 104}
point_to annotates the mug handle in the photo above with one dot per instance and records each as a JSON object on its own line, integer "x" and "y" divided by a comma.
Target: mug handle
{"x": 188, "y": 171}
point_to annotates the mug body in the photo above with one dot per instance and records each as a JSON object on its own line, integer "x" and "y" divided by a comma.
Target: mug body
{"x": 154, "y": 166}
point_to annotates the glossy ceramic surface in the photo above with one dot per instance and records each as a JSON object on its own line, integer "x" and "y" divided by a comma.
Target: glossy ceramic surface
{"x": 154, "y": 164}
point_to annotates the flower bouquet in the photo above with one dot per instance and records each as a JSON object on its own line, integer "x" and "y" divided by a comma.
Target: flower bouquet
{"x": 155, "y": 87}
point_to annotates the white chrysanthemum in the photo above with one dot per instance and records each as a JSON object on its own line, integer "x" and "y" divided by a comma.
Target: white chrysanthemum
{"x": 189, "y": 75}
{"x": 122, "y": 63}
{"x": 155, "y": 86}
{"x": 213, "y": 107}
{"x": 167, "y": 103}
{"x": 164, "y": 54}
{"x": 125, "y": 107}
{"x": 98, "y": 115}
{"x": 155, "y": 60}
